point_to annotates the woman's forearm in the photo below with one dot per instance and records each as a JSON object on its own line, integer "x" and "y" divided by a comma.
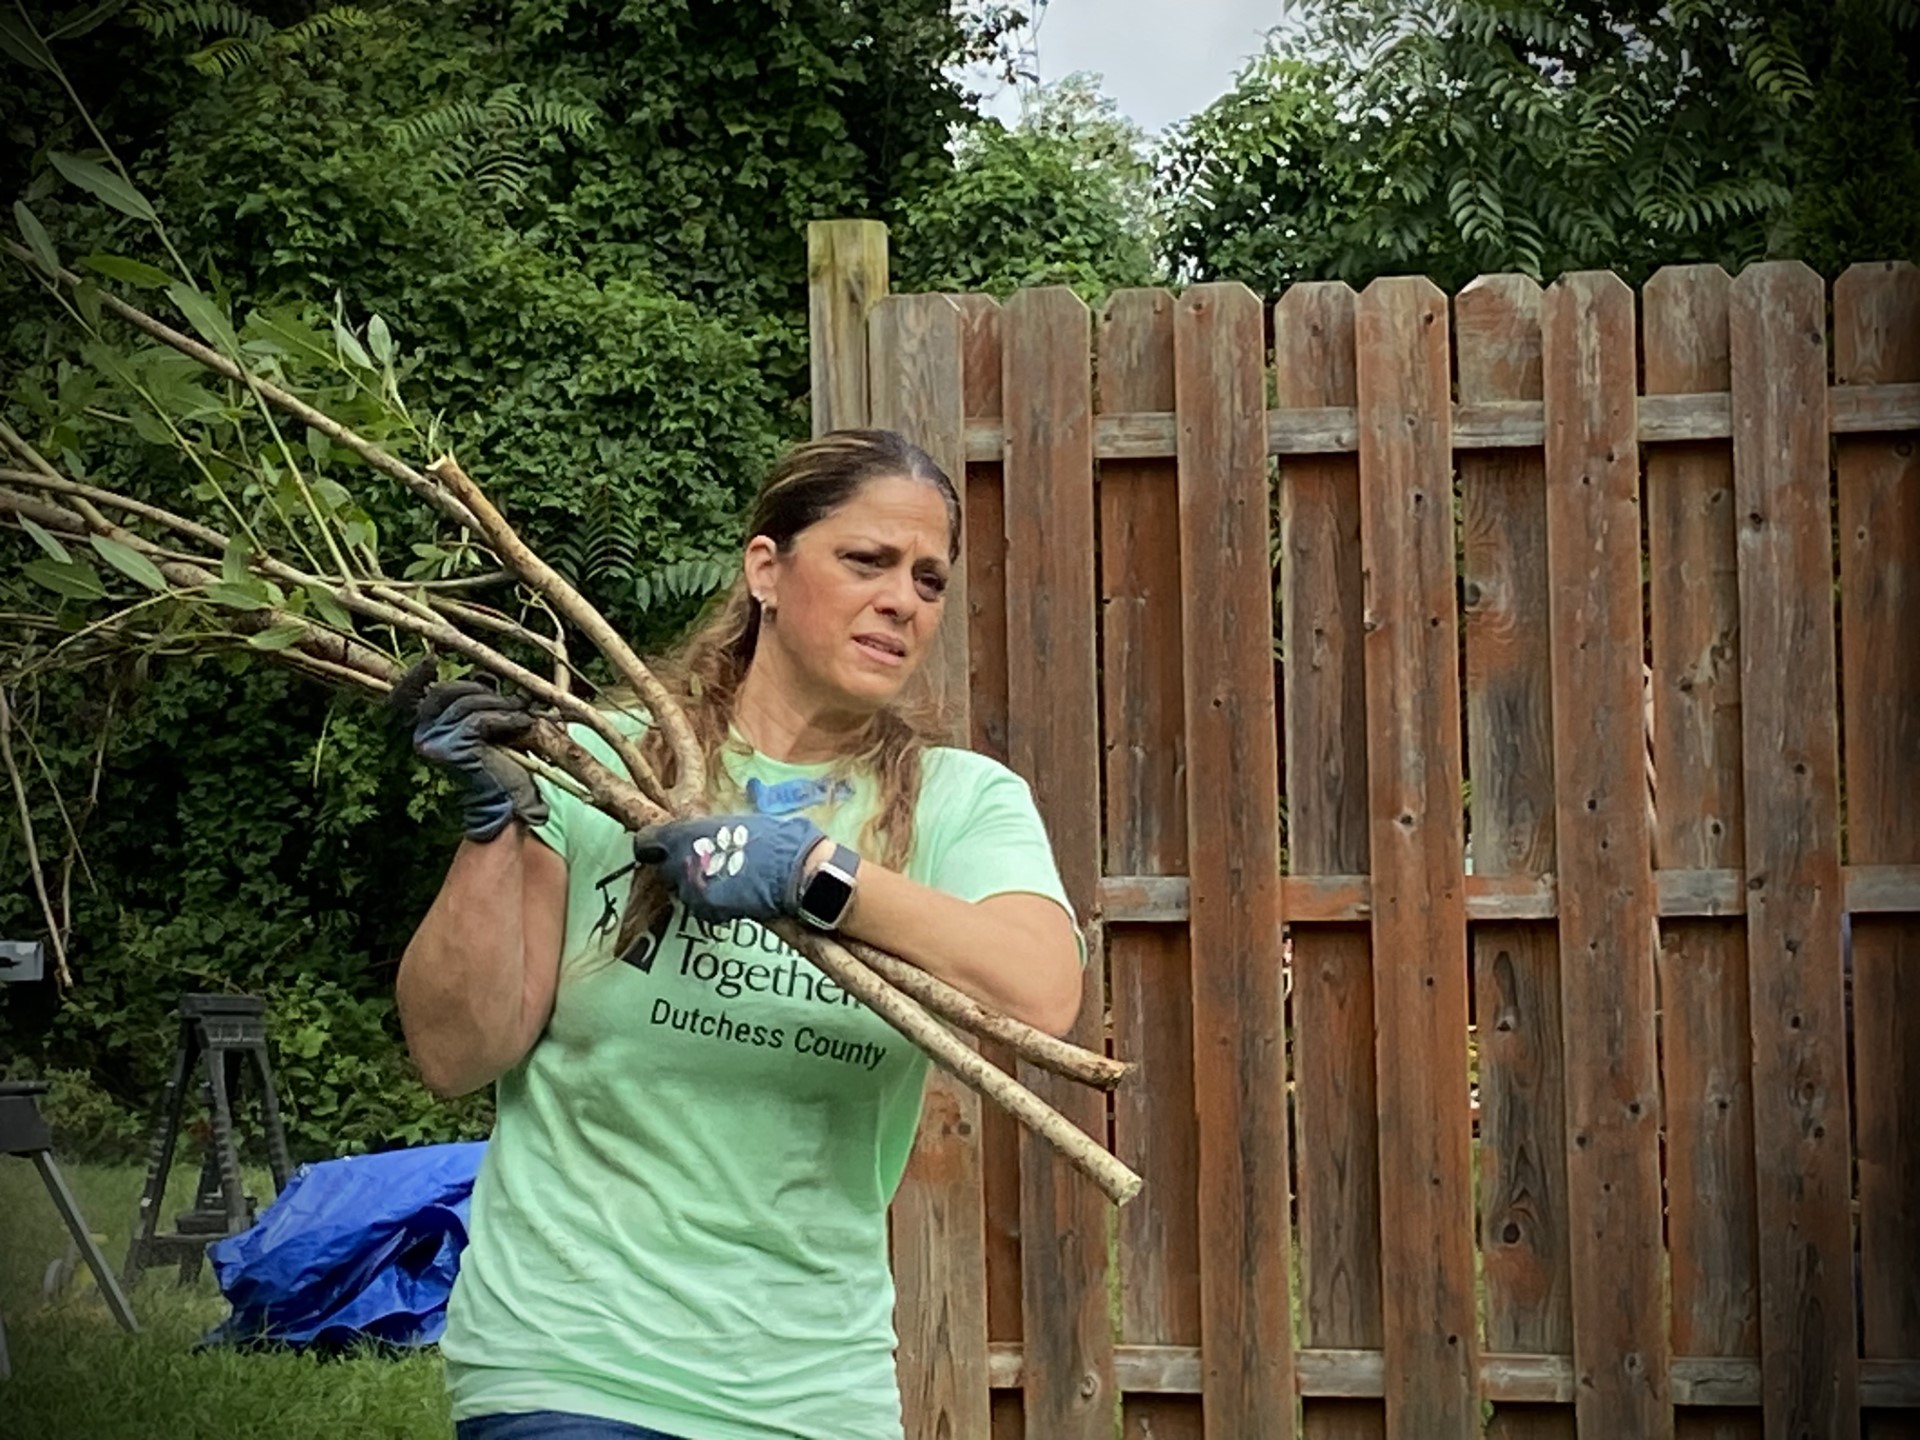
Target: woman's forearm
{"x": 1015, "y": 954}
{"x": 477, "y": 979}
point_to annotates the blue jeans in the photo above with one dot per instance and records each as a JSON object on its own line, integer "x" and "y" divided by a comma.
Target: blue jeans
{"x": 551, "y": 1425}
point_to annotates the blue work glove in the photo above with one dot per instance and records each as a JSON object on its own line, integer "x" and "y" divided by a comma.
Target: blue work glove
{"x": 457, "y": 724}
{"x": 730, "y": 866}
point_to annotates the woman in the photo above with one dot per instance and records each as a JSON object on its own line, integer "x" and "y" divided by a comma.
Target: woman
{"x": 680, "y": 1227}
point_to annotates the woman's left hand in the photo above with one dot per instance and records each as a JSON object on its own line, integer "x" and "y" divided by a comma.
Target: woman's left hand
{"x": 725, "y": 867}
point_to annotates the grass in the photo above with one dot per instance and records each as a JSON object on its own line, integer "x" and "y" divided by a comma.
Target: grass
{"x": 78, "y": 1376}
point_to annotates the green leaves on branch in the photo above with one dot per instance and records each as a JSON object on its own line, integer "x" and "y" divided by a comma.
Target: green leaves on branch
{"x": 238, "y": 596}
{"x": 127, "y": 272}
{"x": 18, "y": 40}
{"x": 350, "y": 347}
{"x": 129, "y": 562}
{"x": 276, "y": 637}
{"x": 207, "y": 318}
{"x": 328, "y": 608}
{"x": 55, "y": 550}
{"x": 381, "y": 340}
{"x": 71, "y": 578}
{"x": 74, "y": 578}
{"x": 103, "y": 184}
{"x": 35, "y": 235}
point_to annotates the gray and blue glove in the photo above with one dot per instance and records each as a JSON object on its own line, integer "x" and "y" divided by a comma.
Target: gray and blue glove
{"x": 724, "y": 867}
{"x": 457, "y": 724}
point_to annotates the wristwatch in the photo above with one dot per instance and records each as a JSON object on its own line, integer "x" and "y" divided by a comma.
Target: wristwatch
{"x": 828, "y": 892}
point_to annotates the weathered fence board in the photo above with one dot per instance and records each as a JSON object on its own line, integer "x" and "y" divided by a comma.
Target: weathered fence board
{"x": 1790, "y": 750}
{"x": 918, "y": 348}
{"x": 1516, "y": 965}
{"x": 1876, "y": 313}
{"x": 1605, "y": 860}
{"x": 1337, "y": 1149}
{"x": 1417, "y": 859}
{"x": 1146, "y": 834}
{"x": 1053, "y": 707}
{"x": 939, "y": 1237}
{"x": 986, "y": 550}
{"x": 1233, "y": 842}
{"x": 1694, "y": 607}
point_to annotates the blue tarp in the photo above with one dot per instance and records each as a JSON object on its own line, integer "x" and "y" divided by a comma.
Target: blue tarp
{"x": 354, "y": 1250}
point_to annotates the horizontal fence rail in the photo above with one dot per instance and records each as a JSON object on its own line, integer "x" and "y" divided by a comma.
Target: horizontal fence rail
{"x": 1490, "y": 425}
{"x": 1323, "y": 899}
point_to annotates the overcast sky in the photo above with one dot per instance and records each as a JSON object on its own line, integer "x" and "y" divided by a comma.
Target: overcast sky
{"x": 1161, "y": 59}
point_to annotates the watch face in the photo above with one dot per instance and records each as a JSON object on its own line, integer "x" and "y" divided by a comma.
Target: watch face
{"x": 827, "y": 895}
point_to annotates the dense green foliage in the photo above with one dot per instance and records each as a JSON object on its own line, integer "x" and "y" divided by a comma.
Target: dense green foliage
{"x": 584, "y": 226}
{"x": 1457, "y": 137}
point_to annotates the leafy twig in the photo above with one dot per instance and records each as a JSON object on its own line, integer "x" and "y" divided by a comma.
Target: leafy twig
{"x": 213, "y": 360}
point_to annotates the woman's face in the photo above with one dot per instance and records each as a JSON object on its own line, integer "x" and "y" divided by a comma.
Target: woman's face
{"x": 857, "y": 598}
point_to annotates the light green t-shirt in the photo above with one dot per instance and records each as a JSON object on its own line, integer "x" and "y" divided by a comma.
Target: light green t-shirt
{"x": 681, "y": 1221}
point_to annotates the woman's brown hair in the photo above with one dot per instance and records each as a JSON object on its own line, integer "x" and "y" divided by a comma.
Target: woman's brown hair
{"x": 703, "y": 673}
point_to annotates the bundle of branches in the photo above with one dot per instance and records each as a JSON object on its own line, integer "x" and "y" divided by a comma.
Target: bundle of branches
{"x": 264, "y": 550}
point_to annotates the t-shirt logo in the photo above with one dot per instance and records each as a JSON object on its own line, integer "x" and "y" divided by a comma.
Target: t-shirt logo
{"x": 646, "y": 948}
{"x": 736, "y": 981}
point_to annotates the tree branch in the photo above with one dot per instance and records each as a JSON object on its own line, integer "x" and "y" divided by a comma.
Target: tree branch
{"x": 690, "y": 765}
{"x": 1080, "y": 1150}
{"x": 61, "y": 485}
{"x": 1047, "y": 1051}
{"x": 320, "y": 644}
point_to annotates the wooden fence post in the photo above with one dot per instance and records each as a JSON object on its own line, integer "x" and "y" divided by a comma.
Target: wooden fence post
{"x": 846, "y": 278}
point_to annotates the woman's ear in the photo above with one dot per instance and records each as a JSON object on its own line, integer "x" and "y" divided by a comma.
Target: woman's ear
{"x": 762, "y": 566}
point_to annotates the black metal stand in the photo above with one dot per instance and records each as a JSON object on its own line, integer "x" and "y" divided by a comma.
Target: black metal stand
{"x": 23, "y": 1132}
{"x": 217, "y": 1033}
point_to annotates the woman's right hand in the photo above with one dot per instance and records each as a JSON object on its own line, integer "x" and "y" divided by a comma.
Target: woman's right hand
{"x": 459, "y": 724}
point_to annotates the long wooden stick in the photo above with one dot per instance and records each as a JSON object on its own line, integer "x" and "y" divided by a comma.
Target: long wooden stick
{"x": 1074, "y": 1145}
{"x": 1089, "y": 1067}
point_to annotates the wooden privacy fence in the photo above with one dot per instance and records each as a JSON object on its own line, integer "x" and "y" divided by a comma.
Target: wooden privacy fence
{"x": 1589, "y": 1101}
